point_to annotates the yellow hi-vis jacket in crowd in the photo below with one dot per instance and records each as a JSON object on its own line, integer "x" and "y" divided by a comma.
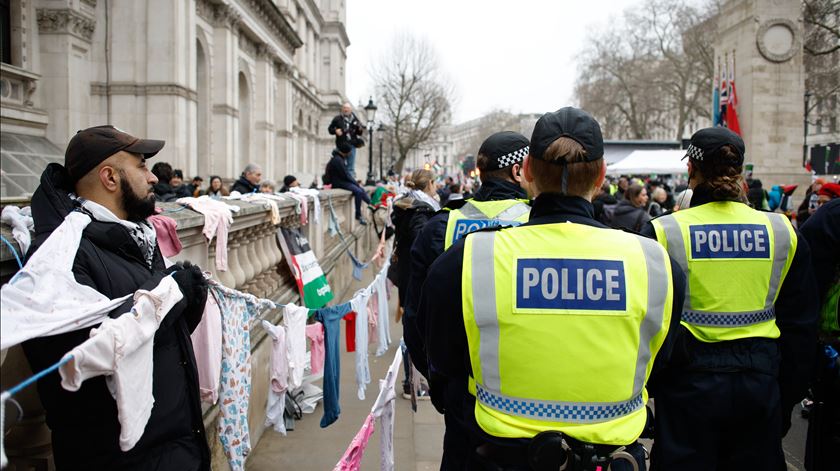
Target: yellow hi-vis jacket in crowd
{"x": 475, "y": 215}
{"x": 735, "y": 260}
{"x": 563, "y": 323}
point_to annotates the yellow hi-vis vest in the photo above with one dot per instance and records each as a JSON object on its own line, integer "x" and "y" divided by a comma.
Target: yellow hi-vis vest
{"x": 563, "y": 323}
{"x": 735, "y": 259}
{"x": 475, "y": 215}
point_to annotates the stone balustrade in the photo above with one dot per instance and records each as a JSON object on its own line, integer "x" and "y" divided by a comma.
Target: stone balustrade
{"x": 256, "y": 265}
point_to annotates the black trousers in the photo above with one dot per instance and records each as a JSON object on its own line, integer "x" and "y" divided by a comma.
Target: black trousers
{"x": 707, "y": 421}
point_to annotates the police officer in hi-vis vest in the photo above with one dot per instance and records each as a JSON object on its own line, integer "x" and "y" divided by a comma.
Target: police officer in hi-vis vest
{"x": 543, "y": 336}
{"x": 725, "y": 399}
{"x": 500, "y": 201}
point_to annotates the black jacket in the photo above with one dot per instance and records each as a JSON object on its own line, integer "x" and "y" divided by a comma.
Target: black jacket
{"x": 337, "y": 173}
{"x": 426, "y": 248}
{"x": 791, "y": 355}
{"x": 409, "y": 216}
{"x": 244, "y": 186}
{"x": 85, "y": 429}
{"x": 822, "y": 231}
{"x": 446, "y": 339}
{"x": 350, "y": 130}
{"x": 627, "y": 216}
{"x": 598, "y": 203}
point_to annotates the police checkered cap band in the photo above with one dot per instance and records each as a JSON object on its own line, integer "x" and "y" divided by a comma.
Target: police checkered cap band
{"x": 514, "y": 157}
{"x": 694, "y": 153}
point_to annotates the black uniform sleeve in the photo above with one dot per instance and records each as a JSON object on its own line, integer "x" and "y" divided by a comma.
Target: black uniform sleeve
{"x": 822, "y": 231}
{"x": 445, "y": 336}
{"x": 675, "y": 330}
{"x": 424, "y": 251}
{"x": 797, "y": 311}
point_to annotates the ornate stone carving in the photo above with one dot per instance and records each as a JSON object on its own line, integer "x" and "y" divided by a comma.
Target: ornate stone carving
{"x": 778, "y": 39}
{"x": 204, "y": 9}
{"x": 90, "y": 3}
{"x": 272, "y": 17}
{"x": 247, "y": 45}
{"x": 65, "y": 21}
{"x": 226, "y": 16}
{"x": 143, "y": 89}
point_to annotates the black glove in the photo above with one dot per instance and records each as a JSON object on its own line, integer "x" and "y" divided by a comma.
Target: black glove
{"x": 193, "y": 286}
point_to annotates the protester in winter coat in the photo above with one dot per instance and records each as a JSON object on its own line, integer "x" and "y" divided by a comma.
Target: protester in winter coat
{"x": 339, "y": 176}
{"x": 163, "y": 189}
{"x": 105, "y": 176}
{"x": 602, "y": 201}
{"x": 657, "y": 206}
{"x": 249, "y": 181}
{"x": 630, "y": 212}
{"x": 216, "y": 188}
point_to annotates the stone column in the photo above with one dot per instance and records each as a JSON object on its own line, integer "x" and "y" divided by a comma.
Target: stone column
{"x": 224, "y": 94}
{"x": 283, "y": 147}
{"x": 263, "y": 135}
{"x": 765, "y": 37}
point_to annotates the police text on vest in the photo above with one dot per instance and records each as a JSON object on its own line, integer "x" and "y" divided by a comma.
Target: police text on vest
{"x": 564, "y": 283}
{"x": 468, "y": 226}
{"x": 729, "y": 241}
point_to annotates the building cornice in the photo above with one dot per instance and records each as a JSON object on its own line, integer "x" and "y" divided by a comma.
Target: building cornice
{"x": 65, "y": 21}
{"x": 143, "y": 89}
{"x": 337, "y": 27}
{"x": 269, "y": 13}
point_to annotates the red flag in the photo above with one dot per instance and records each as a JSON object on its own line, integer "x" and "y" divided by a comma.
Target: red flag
{"x": 731, "y": 111}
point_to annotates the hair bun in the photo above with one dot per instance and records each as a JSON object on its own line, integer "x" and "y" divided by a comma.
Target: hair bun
{"x": 409, "y": 184}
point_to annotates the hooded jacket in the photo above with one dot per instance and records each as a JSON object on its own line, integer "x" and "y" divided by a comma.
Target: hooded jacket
{"x": 244, "y": 186}
{"x": 627, "y": 216}
{"x": 337, "y": 173}
{"x": 84, "y": 425}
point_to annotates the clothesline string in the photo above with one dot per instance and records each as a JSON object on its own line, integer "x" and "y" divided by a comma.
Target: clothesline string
{"x": 14, "y": 252}
{"x": 32, "y": 379}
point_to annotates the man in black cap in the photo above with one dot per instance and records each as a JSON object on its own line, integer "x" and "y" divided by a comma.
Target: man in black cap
{"x": 105, "y": 175}
{"x": 289, "y": 181}
{"x": 339, "y": 176}
{"x": 746, "y": 354}
{"x": 542, "y": 336}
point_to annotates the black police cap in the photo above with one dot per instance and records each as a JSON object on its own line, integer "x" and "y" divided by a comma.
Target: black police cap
{"x": 706, "y": 142}
{"x": 570, "y": 122}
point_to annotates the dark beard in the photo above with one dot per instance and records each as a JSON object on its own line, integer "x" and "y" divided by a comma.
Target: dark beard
{"x": 136, "y": 209}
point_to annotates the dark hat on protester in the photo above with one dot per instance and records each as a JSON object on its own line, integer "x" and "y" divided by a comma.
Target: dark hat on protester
{"x": 344, "y": 147}
{"x": 504, "y": 149}
{"x": 706, "y": 142}
{"x": 289, "y": 179}
{"x": 91, "y": 146}
{"x": 573, "y": 123}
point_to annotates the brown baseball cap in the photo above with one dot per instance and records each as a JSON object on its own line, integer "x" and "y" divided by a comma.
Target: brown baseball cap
{"x": 91, "y": 146}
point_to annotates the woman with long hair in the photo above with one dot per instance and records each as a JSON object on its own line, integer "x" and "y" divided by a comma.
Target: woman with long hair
{"x": 216, "y": 188}
{"x": 724, "y": 399}
{"x": 630, "y": 213}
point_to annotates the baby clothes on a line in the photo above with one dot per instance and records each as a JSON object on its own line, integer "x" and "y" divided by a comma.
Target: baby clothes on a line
{"x": 315, "y": 334}
{"x": 237, "y": 310}
{"x": 350, "y": 331}
{"x": 352, "y": 458}
{"x": 122, "y": 350}
{"x": 302, "y": 207}
{"x": 166, "y": 229}
{"x": 218, "y": 217}
{"x": 207, "y": 346}
{"x": 279, "y": 368}
{"x": 43, "y": 298}
{"x": 383, "y": 408}
{"x": 359, "y": 306}
{"x": 373, "y": 319}
{"x": 330, "y": 317}
{"x": 380, "y": 287}
{"x": 316, "y": 201}
{"x": 21, "y": 221}
{"x": 294, "y": 319}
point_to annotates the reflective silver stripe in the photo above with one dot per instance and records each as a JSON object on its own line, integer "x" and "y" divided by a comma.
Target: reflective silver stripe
{"x": 781, "y": 244}
{"x": 484, "y": 307}
{"x": 570, "y": 412}
{"x": 676, "y": 249}
{"x": 514, "y": 212}
{"x": 471, "y": 211}
{"x": 657, "y": 294}
{"x": 729, "y": 319}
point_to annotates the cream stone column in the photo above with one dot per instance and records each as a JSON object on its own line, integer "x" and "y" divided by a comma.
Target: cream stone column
{"x": 65, "y": 40}
{"x": 263, "y": 135}
{"x": 765, "y": 37}
{"x": 224, "y": 94}
{"x": 283, "y": 121}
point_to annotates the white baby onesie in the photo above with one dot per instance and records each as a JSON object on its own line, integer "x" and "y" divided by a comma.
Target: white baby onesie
{"x": 294, "y": 319}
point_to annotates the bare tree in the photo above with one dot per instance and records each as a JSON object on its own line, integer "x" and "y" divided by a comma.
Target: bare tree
{"x": 652, "y": 69}
{"x": 416, "y": 97}
{"x": 492, "y": 122}
{"x": 822, "y": 50}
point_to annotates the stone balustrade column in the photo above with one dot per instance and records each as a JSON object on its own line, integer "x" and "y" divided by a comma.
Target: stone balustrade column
{"x": 253, "y": 256}
{"x": 234, "y": 263}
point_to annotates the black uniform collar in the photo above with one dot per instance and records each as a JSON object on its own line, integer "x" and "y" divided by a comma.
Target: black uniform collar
{"x": 495, "y": 189}
{"x": 550, "y": 208}
{"x": 702, "y": 195}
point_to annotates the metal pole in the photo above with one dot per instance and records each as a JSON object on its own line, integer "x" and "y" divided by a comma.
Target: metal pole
{"x": 805, "y": 131}
{"x": 381, "y": 168}
{"x": 370, "y": 155}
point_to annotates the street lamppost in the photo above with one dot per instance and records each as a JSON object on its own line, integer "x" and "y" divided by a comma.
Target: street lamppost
{"x": 370, "y": 113}
{"x": 805, "y": 130}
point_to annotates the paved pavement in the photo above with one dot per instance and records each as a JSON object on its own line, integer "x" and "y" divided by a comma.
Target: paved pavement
{"x": 417, "y": 439}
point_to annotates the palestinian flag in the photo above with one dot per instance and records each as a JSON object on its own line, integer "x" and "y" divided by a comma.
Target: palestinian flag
{"x": 310, "y": 279}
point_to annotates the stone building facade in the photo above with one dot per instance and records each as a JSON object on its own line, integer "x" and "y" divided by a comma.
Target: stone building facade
{"x": 224, "y": 82}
